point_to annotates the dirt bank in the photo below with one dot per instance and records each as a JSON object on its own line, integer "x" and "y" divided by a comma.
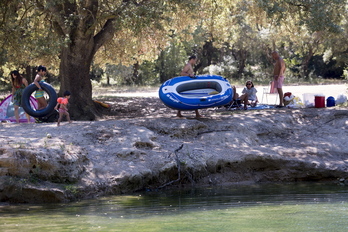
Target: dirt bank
{"x": 141, "y": 145}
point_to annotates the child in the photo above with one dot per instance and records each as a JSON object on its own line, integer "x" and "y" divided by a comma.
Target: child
{"x": 39, "y": 94}
{"x": 62, "y": 102}
{"x": 249, "y": 93}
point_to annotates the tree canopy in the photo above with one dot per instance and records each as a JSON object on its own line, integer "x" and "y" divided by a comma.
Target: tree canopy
{"x": 153, "y": 39}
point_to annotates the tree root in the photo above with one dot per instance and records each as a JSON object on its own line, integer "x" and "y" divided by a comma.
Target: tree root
{"x": 178, "y": 163}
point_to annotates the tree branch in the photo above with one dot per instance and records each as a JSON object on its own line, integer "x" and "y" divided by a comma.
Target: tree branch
{"x": 104, "y": 35}
{"x": 109, "y": 28}
{"x": 60, "y": 13}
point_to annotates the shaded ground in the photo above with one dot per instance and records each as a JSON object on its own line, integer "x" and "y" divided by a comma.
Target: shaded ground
{"x": 136, "y": 107}
{"x": 145, "y": 102}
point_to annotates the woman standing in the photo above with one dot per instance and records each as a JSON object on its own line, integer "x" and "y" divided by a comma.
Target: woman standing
{"x": 39, "y": 94}
{"x": 18, "y": 85}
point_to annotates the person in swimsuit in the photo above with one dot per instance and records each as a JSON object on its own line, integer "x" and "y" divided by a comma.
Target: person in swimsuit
{"x": 188, "y": 71}
{"x": 39, "y": 94}
{"x": 278, "y": 76}
{"x": 18, "y": 85}
{"x": 62, "y": 102}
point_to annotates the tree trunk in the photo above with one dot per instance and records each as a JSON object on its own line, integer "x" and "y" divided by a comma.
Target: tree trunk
{"x": 136, "y": 78}
{"x": 240, "y": 56}
{"x": 208, "y": 56}
{"x": 305, "y": 63}
{"x": 107, "y": 80}
{"x": 242, "y": 60}
{"x": 77, "y": 55}
{"x": 161, "y": 65}
{"x": 74, "y": 71}
{"x": 29, "y": 74}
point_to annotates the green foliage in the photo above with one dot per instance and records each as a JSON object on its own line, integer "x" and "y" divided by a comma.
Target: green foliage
{"x": 117, "y": 74}
{"x": 96, "y": 73}
{"x": 325, "y": 69}
{"x": 148, "y": 73}
{"x": 153, "y": 39}
{"x": 171, "y": 60}
{"x": 72, "y": 189}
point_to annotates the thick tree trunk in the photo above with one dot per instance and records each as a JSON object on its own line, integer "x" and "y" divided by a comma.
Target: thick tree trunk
{"x": 77, "y": 55}
{"x": 74, "y": 70}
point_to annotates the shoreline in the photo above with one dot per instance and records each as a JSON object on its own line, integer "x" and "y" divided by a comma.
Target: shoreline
{"x": 122, "y": 155}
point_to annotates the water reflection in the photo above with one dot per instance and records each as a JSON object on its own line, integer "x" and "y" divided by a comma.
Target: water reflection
{"x": 266, "y": 207}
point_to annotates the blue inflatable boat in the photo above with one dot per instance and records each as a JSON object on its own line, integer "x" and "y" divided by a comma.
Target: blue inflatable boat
{"x": 203, "y": 91}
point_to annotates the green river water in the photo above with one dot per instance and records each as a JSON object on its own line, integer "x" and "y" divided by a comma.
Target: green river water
{"x": 265, "y": 207}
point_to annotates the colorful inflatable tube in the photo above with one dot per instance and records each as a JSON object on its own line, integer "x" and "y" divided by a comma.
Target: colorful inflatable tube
{"x": 203, "y": 91}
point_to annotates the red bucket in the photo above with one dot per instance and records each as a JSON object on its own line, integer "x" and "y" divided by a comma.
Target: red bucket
{"x": 319, "y": 101}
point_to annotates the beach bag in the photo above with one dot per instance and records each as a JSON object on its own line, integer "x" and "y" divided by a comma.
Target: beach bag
{"x": 287, "y": 94}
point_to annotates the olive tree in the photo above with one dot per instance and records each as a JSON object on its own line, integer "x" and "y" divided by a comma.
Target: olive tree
{"x": 74, "y": 31}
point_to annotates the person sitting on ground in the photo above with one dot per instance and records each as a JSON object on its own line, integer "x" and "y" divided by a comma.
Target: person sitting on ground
{"x": 249, "y": 94}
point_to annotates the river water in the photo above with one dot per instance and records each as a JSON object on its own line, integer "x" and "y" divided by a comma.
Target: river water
{"x": 264, "y": 207}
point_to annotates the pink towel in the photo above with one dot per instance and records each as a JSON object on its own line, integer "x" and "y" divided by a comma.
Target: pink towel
{"x": 273, "y": 90}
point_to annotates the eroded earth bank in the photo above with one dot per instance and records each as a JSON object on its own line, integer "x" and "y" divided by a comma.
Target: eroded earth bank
{"x": 46, "y": 163}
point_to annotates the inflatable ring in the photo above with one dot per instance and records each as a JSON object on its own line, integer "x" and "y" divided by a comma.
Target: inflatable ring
{"x": 52, "y": 101}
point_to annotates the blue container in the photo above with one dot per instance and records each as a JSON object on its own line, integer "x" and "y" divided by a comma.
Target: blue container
{"x": 330, "y": 101}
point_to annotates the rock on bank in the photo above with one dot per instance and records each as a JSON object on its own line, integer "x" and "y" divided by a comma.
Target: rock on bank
{"x": 45, "y": 163}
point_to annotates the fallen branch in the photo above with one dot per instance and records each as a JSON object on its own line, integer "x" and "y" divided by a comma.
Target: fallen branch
{"x": 178, "y": 163}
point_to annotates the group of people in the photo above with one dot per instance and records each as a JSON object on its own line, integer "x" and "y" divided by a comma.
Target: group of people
{"x": 249, "y": 92}
{"x": 19, "y": 83}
